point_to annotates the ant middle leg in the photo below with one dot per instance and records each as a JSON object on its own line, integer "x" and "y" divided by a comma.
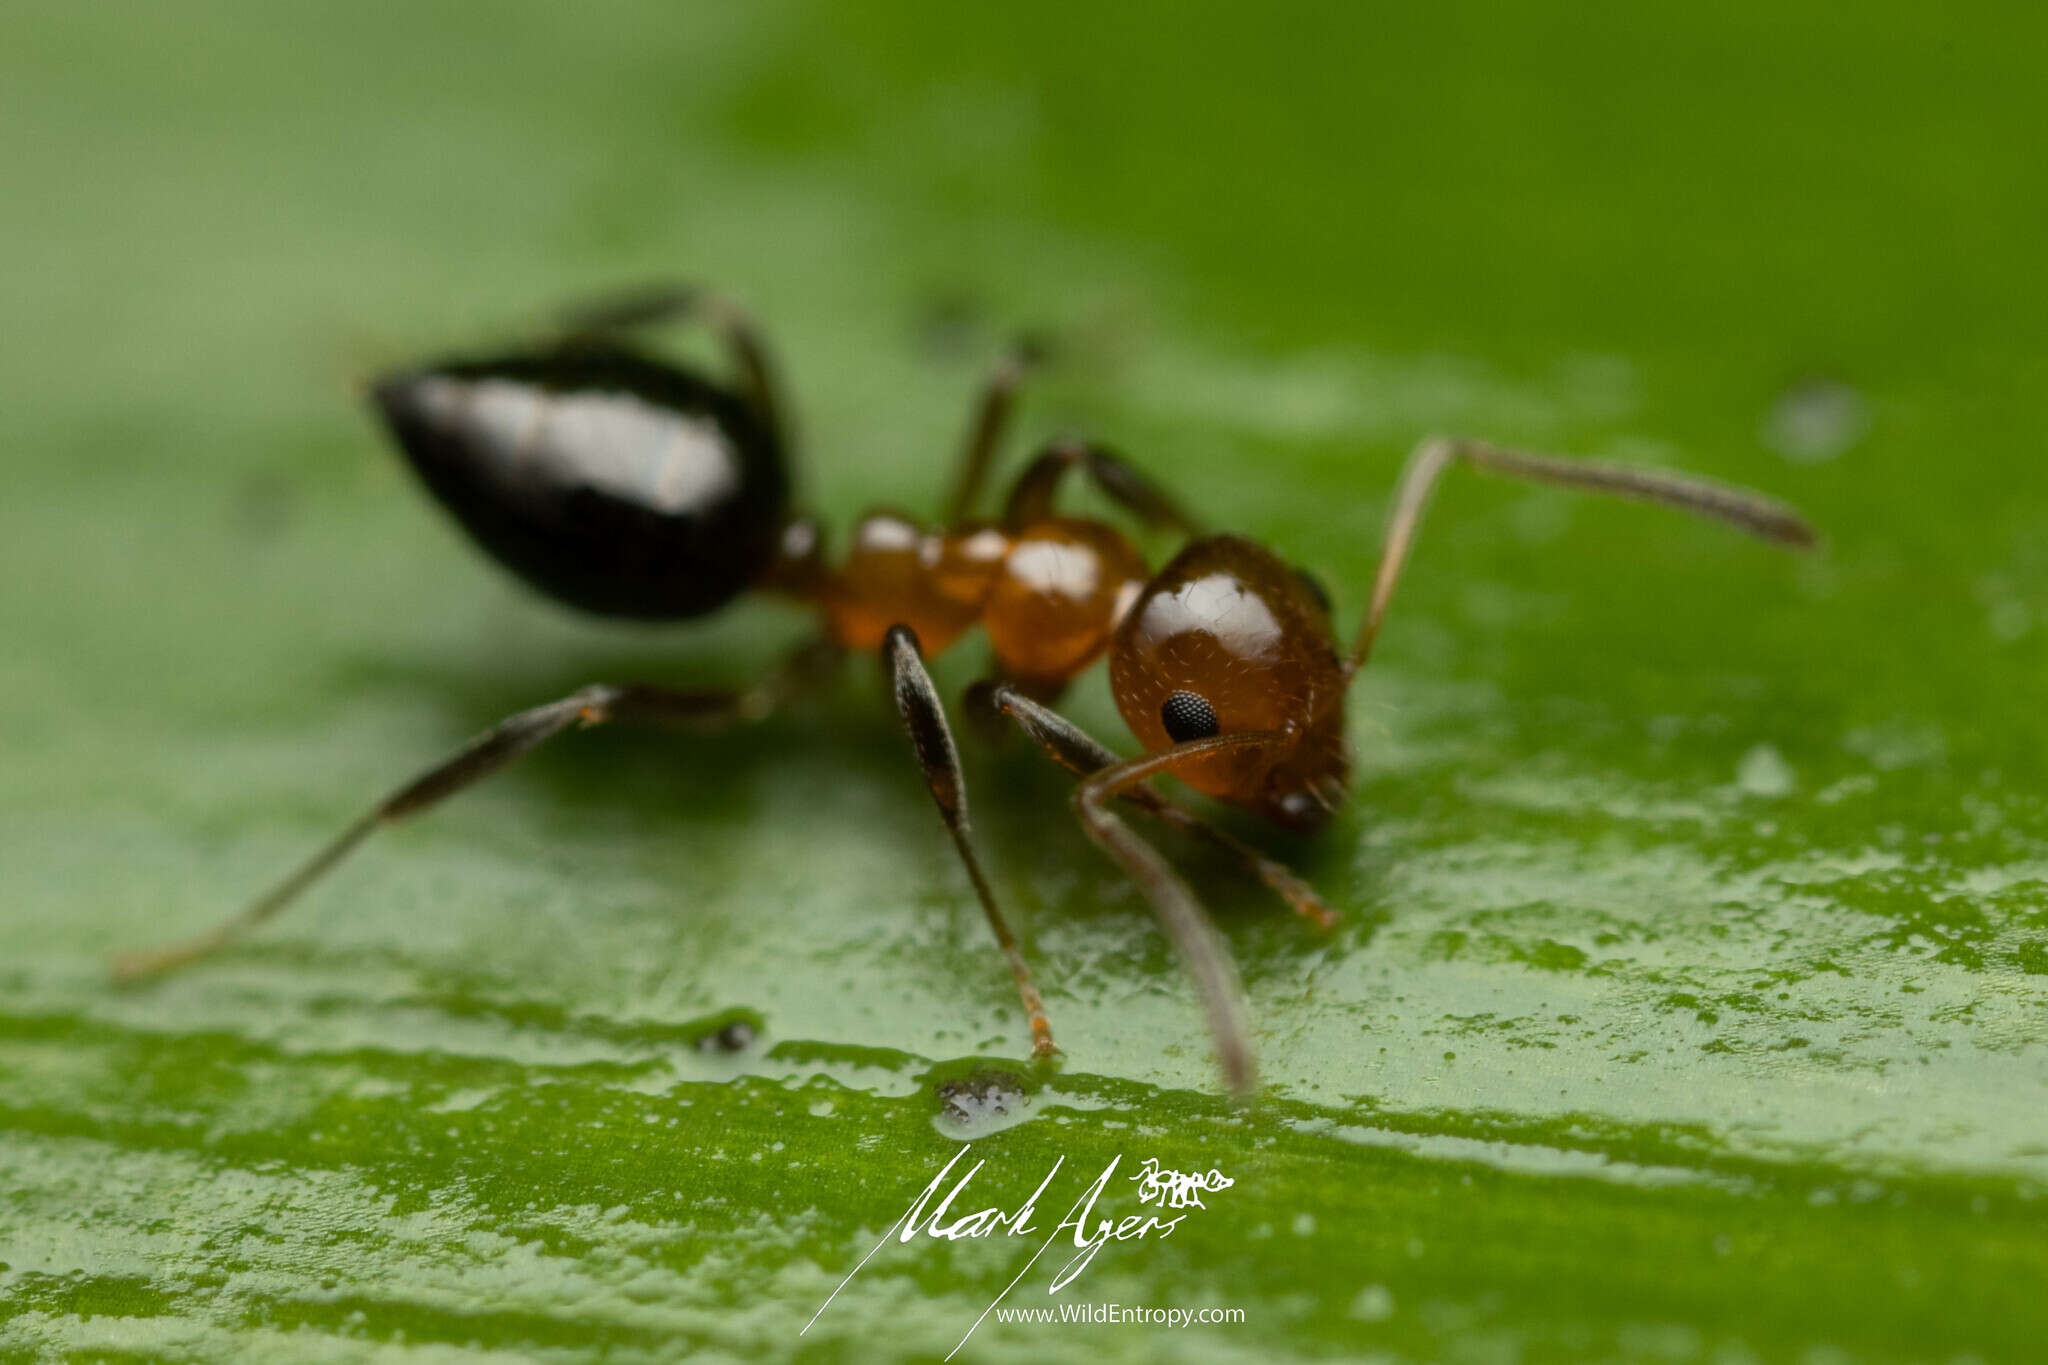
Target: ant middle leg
{"x": 1032, "y": 496}
{"x": 1082, "y": 754}
{"x": 484, "y": 755}
{"x": 924, "y": 718}
{"x": 992, "y": 414}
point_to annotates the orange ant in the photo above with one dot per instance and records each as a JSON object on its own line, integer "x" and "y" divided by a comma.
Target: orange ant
{"x": 629, "y": 486}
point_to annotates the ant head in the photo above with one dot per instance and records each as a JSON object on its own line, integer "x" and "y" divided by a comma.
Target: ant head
{"x": 1229, "y": 639}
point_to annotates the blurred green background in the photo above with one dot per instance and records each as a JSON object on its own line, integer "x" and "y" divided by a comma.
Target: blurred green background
{"x": 1689, "y": 1005}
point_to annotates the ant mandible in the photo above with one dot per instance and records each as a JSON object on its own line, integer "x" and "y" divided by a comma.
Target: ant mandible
{"x": 629, "y": 486}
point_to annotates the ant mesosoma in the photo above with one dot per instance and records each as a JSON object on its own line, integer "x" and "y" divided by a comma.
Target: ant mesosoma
{"x": 629, "y": 486}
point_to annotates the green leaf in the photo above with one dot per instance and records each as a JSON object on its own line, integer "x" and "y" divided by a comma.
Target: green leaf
{"x": 1688, "y": 1003}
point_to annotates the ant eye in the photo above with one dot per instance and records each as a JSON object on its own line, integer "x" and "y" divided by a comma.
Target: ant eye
{"x": 1187, "y": 716}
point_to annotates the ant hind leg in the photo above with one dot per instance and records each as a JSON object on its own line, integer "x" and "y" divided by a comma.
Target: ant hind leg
{"x": 484, "y": 755}
{"x": 657, "y": 305}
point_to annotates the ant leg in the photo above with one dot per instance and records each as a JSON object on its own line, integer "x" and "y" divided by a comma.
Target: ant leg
{"x": 991, "y": 420}
{"x": 924, "y": 717}
{"x": 655, "y": 305}
{"x": 1742, "y": 508}
{"x": 1082, "y": 754}
{"x": 478, "y": 759}
{"x": 1194, "y": 938}
{"x": 1031, "y": 497}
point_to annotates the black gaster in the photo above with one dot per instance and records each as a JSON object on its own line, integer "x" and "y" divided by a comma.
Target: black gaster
{"x": 611, "y": 482}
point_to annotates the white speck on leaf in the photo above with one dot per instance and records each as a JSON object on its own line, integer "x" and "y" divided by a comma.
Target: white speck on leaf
{"x": 1764, "y": 772}
{"x": 1375, "y": 1303}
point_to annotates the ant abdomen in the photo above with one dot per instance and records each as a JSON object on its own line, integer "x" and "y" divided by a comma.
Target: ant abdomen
{"x": 611, "y": 482}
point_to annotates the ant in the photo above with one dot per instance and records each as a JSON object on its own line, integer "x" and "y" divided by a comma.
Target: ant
{"x": 629, "y": 486}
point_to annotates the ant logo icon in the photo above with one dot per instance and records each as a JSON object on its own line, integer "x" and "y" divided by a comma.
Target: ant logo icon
{"x": 1177, "y": 1189}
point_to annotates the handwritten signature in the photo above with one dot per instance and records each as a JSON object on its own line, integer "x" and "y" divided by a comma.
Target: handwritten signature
{"x": 1168, "y": 1188}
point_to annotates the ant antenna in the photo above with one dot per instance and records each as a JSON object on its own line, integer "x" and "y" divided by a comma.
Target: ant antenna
{"x": 1745, "y": 510}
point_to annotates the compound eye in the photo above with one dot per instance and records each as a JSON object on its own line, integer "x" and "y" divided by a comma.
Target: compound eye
{"x": 1187, "y": 716}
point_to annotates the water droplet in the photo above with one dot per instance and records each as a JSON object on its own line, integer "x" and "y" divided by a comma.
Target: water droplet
{"x": 982, "y": 1102}
{"x": 1816, "y": 420}
{"x": 729, "y": 1036}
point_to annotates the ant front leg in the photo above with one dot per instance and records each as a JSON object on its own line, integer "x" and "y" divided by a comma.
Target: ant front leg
{"x": 660, "y": 304}
{"x": 924, "y": 717}
{"x": 484, "y": 755}
{"x": 1073, "y": 748}
{"x": 1194, "y": 938}
{"x": 1180, "y": 914}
